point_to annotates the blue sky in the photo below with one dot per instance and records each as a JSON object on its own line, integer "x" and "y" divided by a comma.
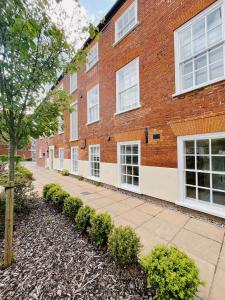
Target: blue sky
{"x": 97, "y": 8}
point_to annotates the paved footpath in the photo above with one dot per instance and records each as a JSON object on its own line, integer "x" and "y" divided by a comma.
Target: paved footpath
{"x": 155, "y": 224}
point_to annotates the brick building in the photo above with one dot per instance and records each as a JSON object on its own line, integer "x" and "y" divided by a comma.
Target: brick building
{"x": 149, "y": 106}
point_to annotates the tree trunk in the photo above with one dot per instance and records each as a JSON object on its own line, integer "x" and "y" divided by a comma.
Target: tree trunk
{"x": 8, "y": 251}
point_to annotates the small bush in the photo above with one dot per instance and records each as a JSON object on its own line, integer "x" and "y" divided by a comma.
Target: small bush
{"x": 83, "y": 218}
{"x": 24, "y": 171}
{"x": 47, "y": 187}
{"x": 81, "y": 178}
{"x": 59, "y": 197}
{"x": 51, "y": 191}
{"x": 101, "y": 226}
{"x": 124, "y": 245}
{"x": 65, "y": 172}
{"x": 171, "y": 273}
{"x": 71, "y": 206}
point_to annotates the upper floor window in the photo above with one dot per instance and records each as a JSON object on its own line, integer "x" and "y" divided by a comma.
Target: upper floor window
{"x": 199, "y": 48}
{"x": 60, "y": 125}
{"x": 127, "y": 87}
{"x": 74, "y": 122}
{"x": 92, "y": 58}
{"x": 93, "y": 104}
{"x": 126, "y": 22}
{"x": 73, "y": 82}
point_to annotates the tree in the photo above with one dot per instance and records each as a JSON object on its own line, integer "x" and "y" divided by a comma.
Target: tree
{"x": 33, "y": 50}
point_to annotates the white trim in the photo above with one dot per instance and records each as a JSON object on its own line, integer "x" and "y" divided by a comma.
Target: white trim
{"x": 89, "y": 162}
{"x": 73, "y": 90}
{"x": 135, "y": 189}
{"x": 178, "y": 87}
{"x": 209, "y": 207}
{"x": 88, "y": 66}
{"x": 137, "y": 61}
{"x": 88, "y": 100}
{"x": 71, "y": 160}
{"x": 135, "y": 4}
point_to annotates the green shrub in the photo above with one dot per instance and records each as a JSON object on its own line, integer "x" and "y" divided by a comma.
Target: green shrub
{"x": 5, "y": 158}
{"x": 51, "y": 191}
{"x": 171, "y": 273}
{"x": 59, "y": 197}
{"x": 101, "y": 226}
{"x": 71, "y": 206}
{"x": 81, "y": 178}
{"x": 65, "y": 172}
{"x": 124, "y": 245}
{"x": 83, "y": 218}
{"x": 47, "y": 187}
{"x": 24, "y": 171}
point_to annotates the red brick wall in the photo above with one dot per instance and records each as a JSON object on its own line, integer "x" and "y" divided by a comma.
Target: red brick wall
{"x": 153, "y": 42}
{"x": 24, "y": 153}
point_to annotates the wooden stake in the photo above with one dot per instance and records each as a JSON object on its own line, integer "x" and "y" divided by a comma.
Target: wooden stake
{"x": 9, "y": 207}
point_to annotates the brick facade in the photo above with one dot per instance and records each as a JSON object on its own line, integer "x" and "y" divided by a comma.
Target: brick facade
{"x": 152, "y": 40}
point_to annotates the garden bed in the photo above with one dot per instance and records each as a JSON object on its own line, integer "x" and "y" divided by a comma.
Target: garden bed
{"x": 53, "y": 261}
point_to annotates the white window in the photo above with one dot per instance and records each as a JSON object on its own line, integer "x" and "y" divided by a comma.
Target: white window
{"x": 40, "y": 153}
{"x": 92, "y": 58}
{"x": 94, "y": 161}
{"x": 61, "y": 158}
{"x": 199, "y": 50}
{"x": 74, "y": 160}
{"x": 202, "y": 169}
{"x": 60, "y": 125}
{"x": 74, "y": 122}
{"x": 126, "y": 22}
{"x": 93, "y": 104}
{"x": 129, "y": 164}
{"x": 73, "y": 82}
{"x": 127, "y": 87}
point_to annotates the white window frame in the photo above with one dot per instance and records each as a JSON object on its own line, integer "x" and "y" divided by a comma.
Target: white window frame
{"x": 207, "y": 207}
{"x": 90, "y": 168}
{"x": 178, "y": 82}
{"x": 90, "y": 65}
{"x": 76, "y": 171}
{"x": 129, "y": 187}
{"x": 88, "y": 105}
{"x": 61, "y": 160}
{"x": 135, "y": 5}
{"x": 71, "y": 129}
{"x": 137, "y": 61}
{"x": 73, "y": 88}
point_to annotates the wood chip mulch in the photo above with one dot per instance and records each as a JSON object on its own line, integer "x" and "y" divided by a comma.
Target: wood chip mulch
{"x": 53, "y": 261}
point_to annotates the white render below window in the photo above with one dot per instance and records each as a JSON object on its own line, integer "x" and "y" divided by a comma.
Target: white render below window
{"x": 61, "y": 158}
{"x": 199, "y": 49}
{"x": 129, "y": 164}
{"x": 94, "y": 161}
{"x": 202, "y": 167}
{"x": 74, "y": 160}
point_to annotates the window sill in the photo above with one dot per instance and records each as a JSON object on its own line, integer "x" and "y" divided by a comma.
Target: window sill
{"x": 72, "y": 92}
{"x": 125, "y": 111}
{"x": 74, "y": 140}
{"x": 177, "y": 94}
{"x": 60, "y": 133}
{"x": 74, "y": 173}
{"x": 126, "y": 34}
{"x": 89, "y": 69}
{"x": 94, "y": 178}
{"x": 91, "y": 123}
{"x": 130, "y": 189}
{"x": 208, "y": 209}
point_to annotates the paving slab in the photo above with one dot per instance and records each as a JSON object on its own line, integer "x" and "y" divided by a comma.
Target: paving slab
{"x": 206, "y": 229}
{"x": 199, "y": 246}
{"x": 150, "y": 209}
{"x": 173, "y": 217}
{"x": 135, "y": 217}
{"x": 132, "y": 202}
{"x": 218, "y": 290}
{"x": 221, "y": 262}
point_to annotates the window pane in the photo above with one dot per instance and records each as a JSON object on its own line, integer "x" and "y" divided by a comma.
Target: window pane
{"x": 129, "y": 170}
{"x": 128, "y": 159}
{"x": 218, "y": 146}
{"x": 215, "y": 35}
{"x": 135, "y": 160}
{"x": 136, "y": 171}
{"x": 214, "y": 19}
{"x": 136, "y": 181}
{"x": 204, "y": 179}
{"x": 201, "y": 76}
{"x": 216, "y": 70}
{"x": 203, "y": 147}
{"x": 219, "y": 182}
{"x": 123, "y": 179}
{"x": 185, "y": 43}
{"x": 218, "y": 163}
{"x": 204, "y": 195}
{"x": 187, "y": 81}
{"x": 123, "y": 169}
{"x": 219, "y": 198}
{"x": 190, "y": 178}
{"x": 190, "y": 162}
{"x": 129, "y": 179}
{"x": 190, "y": 192}
{"x": 203, "y": 163}
{"x": 198, "y": 31}
{"x": 189, "y": 147}
{"x": 128, "y": 149}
